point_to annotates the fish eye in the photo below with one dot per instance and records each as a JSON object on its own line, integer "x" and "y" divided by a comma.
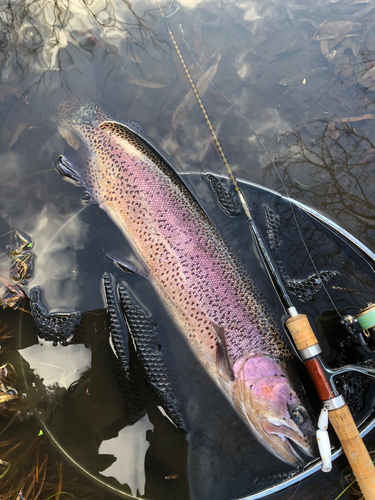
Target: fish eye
{"x": 299, "y": 415}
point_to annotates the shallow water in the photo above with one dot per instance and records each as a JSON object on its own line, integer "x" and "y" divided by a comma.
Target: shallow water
{"x": 302, "y": 75}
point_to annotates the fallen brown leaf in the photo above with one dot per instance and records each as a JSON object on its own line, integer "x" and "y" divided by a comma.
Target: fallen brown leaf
{"x": 146, "y": 83}
{"x": 6, "y": 90}
{"x": 21, "y": 127}
{"x": 172, "y": 476}
{"x": 356, "y": 118}
{"x": 187, "y": 104}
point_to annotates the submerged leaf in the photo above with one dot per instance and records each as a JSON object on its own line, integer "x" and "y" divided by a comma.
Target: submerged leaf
{"x": 368, "y": 74}
{"x": 324, "y": 47}
{"x": 369, "y": 116}
{"x": 21, "y": 127}
{"x": 146, "y": 83}
{"x": 6, "y": 91}
{"x": 335, "y": 29}
{"x": 172, "y": 476}
{"x": 186, "y": 106}
{"x": 131, "y": 57}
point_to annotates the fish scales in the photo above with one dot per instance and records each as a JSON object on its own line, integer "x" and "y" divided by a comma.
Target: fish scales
{"x": 223, "y": 316}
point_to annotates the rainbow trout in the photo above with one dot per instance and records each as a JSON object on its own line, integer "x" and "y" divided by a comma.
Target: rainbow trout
{"x": 216, "y": 305}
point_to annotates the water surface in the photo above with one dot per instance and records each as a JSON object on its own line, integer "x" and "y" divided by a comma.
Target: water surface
{"x": 301, "y": 74}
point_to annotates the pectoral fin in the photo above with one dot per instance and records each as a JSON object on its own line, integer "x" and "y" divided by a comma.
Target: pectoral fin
{"x": 128, "y": 266}
{"x": 71, "y": 138}
{"x": 222, "y": 361}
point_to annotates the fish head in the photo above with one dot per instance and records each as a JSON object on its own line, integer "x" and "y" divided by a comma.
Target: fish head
{"x": 270, "y": 404}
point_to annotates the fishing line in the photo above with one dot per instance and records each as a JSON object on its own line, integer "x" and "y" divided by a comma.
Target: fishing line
{"x": 61, "y": 229}
{"x": 203, "y": 109}
{"x": 296, "y": 490}
{"x": 226, "y": 163}
{"x": 265, "y": 253}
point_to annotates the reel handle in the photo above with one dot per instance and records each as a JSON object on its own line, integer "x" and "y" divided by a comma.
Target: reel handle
{"x": 340, "y": 418}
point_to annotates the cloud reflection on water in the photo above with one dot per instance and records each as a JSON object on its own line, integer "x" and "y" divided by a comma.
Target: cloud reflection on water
{"x": 129, "y": 448}
{"x": 57, "y": 364}
{"x": 57, "y": 238}
{"x": 263, "y": 52}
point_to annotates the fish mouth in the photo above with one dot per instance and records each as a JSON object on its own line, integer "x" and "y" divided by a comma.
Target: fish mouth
{"x": 281, "y": 436}
{"x": 65, "y": 168}
{"x": 287, "y": 442}
{"x": 275, "y": 413}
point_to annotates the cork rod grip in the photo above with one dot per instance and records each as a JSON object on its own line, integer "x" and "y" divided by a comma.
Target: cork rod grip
{"x": 301, "y": 331}
{"x": 355, "y": 450}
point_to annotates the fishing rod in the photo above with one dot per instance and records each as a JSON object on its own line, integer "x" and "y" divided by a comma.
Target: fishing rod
{"x": 334, "y": 407}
